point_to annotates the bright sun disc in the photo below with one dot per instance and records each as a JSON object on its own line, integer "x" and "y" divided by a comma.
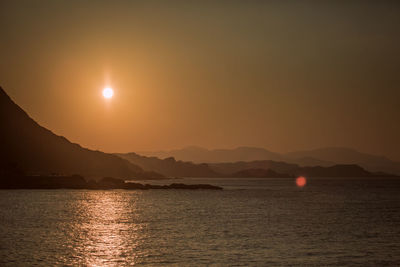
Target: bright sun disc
{"x": 108, "y": 92}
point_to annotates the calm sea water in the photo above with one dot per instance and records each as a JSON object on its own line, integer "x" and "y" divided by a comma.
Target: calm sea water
{"x": 253, "y": 222}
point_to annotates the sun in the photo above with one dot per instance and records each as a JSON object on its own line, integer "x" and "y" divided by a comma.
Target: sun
{"x": 108, "y": 92}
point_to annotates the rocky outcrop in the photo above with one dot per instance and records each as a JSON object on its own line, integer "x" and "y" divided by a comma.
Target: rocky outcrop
{"x": 78, "y": 182}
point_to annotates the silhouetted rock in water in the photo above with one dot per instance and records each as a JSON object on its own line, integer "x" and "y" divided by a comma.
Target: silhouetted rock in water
{"x": 170, "y": 167}
{"x": 260, "y": 173}
{"x": 194, "y": 186}
{"x": 110, "y": 183}
{"x": 172, "y": 186}
{"x": 138, "y": 186}
{"x": 37, "y": 150}
{"x": 78, "y": 182}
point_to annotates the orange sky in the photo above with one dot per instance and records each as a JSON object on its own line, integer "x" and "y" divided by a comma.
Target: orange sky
{"x": 222, "y": 74}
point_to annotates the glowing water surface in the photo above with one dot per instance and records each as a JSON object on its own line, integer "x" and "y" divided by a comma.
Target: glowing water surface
{"x": 252, "y": 222}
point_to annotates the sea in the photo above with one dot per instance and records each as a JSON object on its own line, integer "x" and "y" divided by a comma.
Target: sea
{"x": 252, "y": 222}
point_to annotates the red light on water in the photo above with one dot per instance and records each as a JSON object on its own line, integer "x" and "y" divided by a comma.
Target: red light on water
{"x": 301, "y": 181}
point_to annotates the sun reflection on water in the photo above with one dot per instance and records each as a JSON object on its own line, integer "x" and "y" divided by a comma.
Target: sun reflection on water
{"x": 110, "y": 232}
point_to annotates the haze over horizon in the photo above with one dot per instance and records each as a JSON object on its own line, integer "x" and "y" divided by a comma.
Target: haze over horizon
{"x": 281, "y": 76}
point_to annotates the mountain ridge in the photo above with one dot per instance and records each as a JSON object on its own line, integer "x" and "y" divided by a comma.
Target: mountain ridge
{"x": 36, "y": 149}
{"x": 169, "y": 166}
{"x": 246, "y": 169}
{"x": 28, "y": 147}
{"x": 325, "y": 157}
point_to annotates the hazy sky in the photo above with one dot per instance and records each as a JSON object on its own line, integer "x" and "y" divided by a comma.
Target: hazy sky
{"x": 284, "y": 75}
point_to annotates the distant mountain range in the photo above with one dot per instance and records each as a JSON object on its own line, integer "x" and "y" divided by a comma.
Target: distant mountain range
{"x": 341, "y": 155}
{"x": 170, "y": 167}
{"x": 33, "y": 149}
{"x": 28, "y": 148}
{"x": 203, "y": 155}
{"x": 274, "y": 169}
{"x": 260, "y": 169}
{"x": 319, "y": 157}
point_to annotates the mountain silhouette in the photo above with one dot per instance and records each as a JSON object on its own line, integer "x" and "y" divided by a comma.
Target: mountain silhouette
{"x": 342, "y": 155}
{"x": 27, "y": 147}
{"x": 324, "y": 157}
{"x": 258, "y": 169}
{"x": 203, "y": 155}
{"x": 275, "y": 169}
{"x": 228, "y": 168}
{"x": 169, "y": 166}
{"x": 33, "y": 149}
